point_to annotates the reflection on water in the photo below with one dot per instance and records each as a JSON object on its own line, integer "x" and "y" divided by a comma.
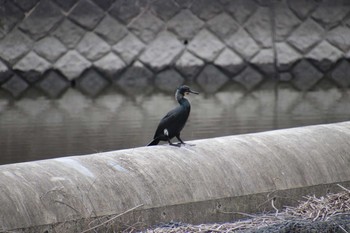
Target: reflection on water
{"x": 39, "y": 128}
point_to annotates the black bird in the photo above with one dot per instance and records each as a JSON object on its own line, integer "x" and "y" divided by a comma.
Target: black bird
{"x": 174, "y": 121}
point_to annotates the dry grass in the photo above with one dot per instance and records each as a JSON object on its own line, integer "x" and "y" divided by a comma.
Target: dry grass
{"x": 321, "y": 208}
{"x": 311, "y": 209}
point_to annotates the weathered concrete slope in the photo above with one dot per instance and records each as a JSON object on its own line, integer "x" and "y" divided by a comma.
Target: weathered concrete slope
{"x": 217, "y": 175}
{"x": 51, "y": 46}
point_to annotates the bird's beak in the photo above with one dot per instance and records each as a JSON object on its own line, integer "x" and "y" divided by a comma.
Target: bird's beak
{"x": 194, "y": 92}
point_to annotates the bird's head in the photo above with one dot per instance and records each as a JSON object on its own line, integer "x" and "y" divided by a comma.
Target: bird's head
{"x": 185, "y": 90}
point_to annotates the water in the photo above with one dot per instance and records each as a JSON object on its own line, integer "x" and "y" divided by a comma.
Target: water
{"x": 34, "y": 128}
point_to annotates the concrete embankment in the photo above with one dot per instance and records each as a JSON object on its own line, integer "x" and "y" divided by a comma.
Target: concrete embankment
{"x": 208, "y": 182}
{"x": 51, "y": 46}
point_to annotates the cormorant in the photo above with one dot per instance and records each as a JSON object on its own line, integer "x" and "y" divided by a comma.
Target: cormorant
{"x": 174, "y": 121}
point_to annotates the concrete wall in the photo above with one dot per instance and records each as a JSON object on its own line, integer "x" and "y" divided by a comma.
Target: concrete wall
{"x": 201, "y": 183}
{"x": 49, "y": 43}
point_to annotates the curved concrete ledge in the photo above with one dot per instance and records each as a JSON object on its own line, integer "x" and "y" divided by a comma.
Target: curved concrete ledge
{"x": 228, "y": 174}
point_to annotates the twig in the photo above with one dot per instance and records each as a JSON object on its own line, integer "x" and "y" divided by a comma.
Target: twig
{"x": 63, "y": 203}
{"x": 109, "y": 220}
{"x": 240, "y": 213}
{"x": 343, "y": 188}
{"x": 273, "y": 205}
{"x": 51, "y": 190}
{"x": 318, "y": 214}
{"x": 343, "y": 229}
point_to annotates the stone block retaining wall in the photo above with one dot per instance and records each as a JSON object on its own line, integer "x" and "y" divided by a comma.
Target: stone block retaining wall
{"x": 52, "y": 44}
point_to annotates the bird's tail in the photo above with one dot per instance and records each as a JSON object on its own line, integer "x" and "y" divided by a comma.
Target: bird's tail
{"x": 153, "y": 142}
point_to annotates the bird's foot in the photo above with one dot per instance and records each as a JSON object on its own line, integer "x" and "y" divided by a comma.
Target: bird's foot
{"x": 179, "y": 144}
{"x": 182, "y": 143}
{"x": 188, "y": 144}
{"x": 175, "y": 144}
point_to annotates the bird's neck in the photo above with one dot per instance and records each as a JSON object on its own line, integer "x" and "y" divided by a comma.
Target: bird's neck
{"x": 182, "y": 100}
{"x": 178, "y": 96}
